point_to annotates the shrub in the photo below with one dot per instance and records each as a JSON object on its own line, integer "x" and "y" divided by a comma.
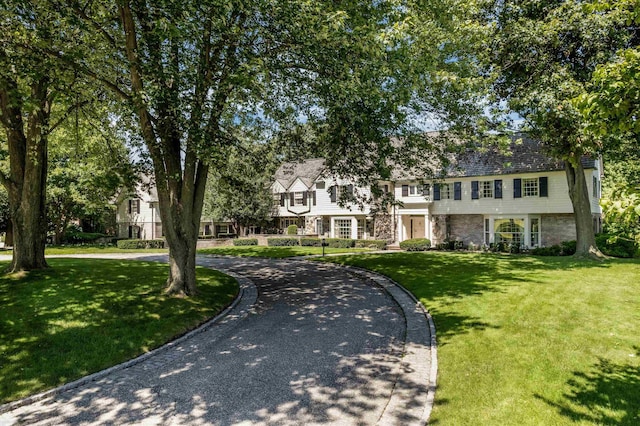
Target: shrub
{"x": 283, "y": 242}
{"x": 372, "y": 244}
{"x": 566, "y": 248}
{"x": 340, "y": 242}
{"x": 616, "y": 246}
{"x": 450, "y": 245}
{"x": 292, "y": 230}
{"x": 76, "y": 237}
{"x": 140, "y": 244}
{"x": 416, "y": 244}
{"x": 245, "y": 242}
{"x": 311, "y": 242}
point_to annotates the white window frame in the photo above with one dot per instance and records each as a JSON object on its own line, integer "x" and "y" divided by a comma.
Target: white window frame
{"x": 530, "y": 187}
{"x": 485, "y": 189}
{"x": 529, "y": 219}
{"x": 340, "y": 225}
{"x": 446, "y": 192}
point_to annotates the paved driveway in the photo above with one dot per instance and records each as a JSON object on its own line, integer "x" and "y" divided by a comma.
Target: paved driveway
{"x": 307, "y": 343}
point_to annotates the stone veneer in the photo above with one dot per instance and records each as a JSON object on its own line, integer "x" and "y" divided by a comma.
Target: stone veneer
{"x": 468, "y": 228}
{"x": 556, "y": 228}
{"x": 382, "y": 226}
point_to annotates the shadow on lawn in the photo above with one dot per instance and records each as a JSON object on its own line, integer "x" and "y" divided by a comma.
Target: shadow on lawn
{"x": 608, "y": 394}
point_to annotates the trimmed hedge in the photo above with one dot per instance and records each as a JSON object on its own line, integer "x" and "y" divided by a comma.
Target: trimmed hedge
{"x": 616, "y": 246}
{"x": 245, "y": 242}
{"x": 566, "y": 248}
{"x": 292, "y": 230}
{"x": 310, "y": 242}
{"x": 416, "y": 244}
{"x": 340, "y": 242}
{"x": 372, "y": 244}
{"x": 449, "y": 245}
{"x": 283, "y": 242}
{"x": 140, "y": 244}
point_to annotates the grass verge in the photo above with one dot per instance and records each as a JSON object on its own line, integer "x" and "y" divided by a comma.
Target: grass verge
{"x": 276, "y": 252}
{"x": 526, "y": 340}
{"x": 55, "y": 250}
{"x": 84, "y": 315}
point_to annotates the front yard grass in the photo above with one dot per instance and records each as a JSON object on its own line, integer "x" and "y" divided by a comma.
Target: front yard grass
{"x": 527, "y": 340}
{"x": 276, "y": 252}
{"x": 84, "y": 315}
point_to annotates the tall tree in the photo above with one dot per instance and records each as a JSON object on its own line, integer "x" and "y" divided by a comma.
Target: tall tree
{"x": 542, "y": 55}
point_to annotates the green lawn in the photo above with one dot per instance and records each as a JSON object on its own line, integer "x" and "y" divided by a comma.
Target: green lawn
{"x": 96, "y": 250}
{"x": 527, "y": 340}
{"x": 84, "y": 315}
{"x": 276, "y": 252}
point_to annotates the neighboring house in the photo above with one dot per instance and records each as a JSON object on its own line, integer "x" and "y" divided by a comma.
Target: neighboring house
{"x": 138, "y": 215}
{"x": 486, "y": 197}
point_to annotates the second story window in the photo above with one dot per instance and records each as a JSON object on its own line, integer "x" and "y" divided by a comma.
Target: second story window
{"x": 445, "y": 191}
{"x": 486, "y": 189}
{"x": 134, "y": 206}
{"x": 530, "y": 187}
{"x": 298, "y": 198}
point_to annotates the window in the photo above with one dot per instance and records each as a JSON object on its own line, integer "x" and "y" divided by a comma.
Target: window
{"x": 535, "y": 232}
{"x": 285, "y": 222}
{"x": 342, "y": 228}
{"x": 319, "y": 229}
{"x": 596, "y": 187}
{"x": 278, "y": 200}
{"x": 530, "y": 187}
{"x": 298, "y": 199}
{"x": 445, "y": 191}
{"x": 510, "y": 231}
{"x": 486, "y": 189}
{"x": 134, "y": 206}
{"x": 361, "y": 228}
{"x": 134, "y": 232}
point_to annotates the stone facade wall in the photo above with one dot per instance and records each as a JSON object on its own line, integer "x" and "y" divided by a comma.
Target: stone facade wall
{"x": 439, "y": 228}
{"x": 382, "y": 227}
{"x": 556, "y": 228}
{"x": 310, "y": 224}
{"x": 468, "y": 228}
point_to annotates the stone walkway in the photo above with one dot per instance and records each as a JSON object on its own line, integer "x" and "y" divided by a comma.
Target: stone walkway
{"x": 306, "y": 343}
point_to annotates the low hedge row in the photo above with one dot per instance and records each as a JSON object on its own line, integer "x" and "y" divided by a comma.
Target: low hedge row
{"x": 140, "y": 244}
{"x": 372, "y": 244}
{"x": 416, "y": 244}
{"x": 283, "y": 242}
{"x": 616, "y": 246}
{"x": 245, "y": 242}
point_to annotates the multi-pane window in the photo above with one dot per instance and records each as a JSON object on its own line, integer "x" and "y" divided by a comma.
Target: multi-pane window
{"x": 285, "y": 222}
{"x": 134, "y": 206}
{"x": 485, "y": 189}
{"x": 510, "y": 231}
{"x": 535, "y": 232}
{"x": 361, "y": 227}
{"x": 298, "y": 198}
{"x": 319, "y": 228}
{"x": 276, "y": 200}
{"x": 342, "y": 228}
{"x": 530, "y": 187}
{"x": 446, "y": 191}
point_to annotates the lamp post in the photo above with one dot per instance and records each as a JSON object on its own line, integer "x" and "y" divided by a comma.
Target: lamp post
{"x": 323, "y": 244}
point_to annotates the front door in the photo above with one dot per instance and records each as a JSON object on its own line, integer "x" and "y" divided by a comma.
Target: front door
{"x": 417, "y": 227}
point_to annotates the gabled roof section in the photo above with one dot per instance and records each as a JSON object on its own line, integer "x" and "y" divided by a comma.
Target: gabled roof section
{"x": 307, "y": 171}
{"x": 525, "y": 157}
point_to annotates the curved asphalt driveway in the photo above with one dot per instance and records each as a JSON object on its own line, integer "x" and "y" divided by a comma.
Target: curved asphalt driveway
{"x": 307, "y": 343}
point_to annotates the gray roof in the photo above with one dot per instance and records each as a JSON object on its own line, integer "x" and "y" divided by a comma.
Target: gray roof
{"x": 525, "y": 157}
{"x": 307, "y": 170}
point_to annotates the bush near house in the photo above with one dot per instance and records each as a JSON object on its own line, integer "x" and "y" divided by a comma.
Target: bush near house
{"x": 311, "y": 242}
{"x": 74, "y": 236}
{"x": 245, "y": 242}
{"x": 340, "y": 242}
{"x": 416, "y": 244}
{"x": 372, "y": 244}
{"x": 566, "y": 248}
{"x": 292, "y": 230}
{"x": 450, "y": 245}
{"x": 140, "y": 244}
{"x": 617, "y": 246}
{"x": 283, "y": 242}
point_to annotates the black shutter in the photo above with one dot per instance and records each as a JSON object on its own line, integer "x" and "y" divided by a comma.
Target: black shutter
{"x": 517, "y": 188}
{"x": 474, "y": 190}
{"x": 282, "y": 196}
{"x": 137, "y": 206}
{"x": 436, "y": 191}
{"x": 130, "y": 213}
{"x": 405, "y": 190}
{"x": 313, "y": 194}
{"x": 305, "y": 195}
{"x": 332, "y": 194}
{"x": 457, "y": 190}
{"x": 350, "y": 189}
{"x": 544, "y": 186}
{"x": 292, "y": 199}
{"x": 497, "y": 186}
{"x": 130, "y": 227}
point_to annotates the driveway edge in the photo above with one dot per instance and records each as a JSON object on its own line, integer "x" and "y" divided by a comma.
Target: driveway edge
{"x": 247, "y": 293}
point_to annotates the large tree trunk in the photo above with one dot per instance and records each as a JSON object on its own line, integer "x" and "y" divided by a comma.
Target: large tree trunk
{"x": 579, "y": 194}
{"x": 27, "y": 178}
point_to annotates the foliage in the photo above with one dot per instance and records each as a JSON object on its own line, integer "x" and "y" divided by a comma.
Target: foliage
{"x": 245, "y": 242}
{"x": 292, "y": 230}
{"x": 372, "y": 244}
{"x": 493, "y": 314}
{"x": 450, "y": 245}
{"x": 416, "y": 244}
{"x": 617, "y": 246}
{"x": 340, "y": 242}
{"x": 310, "y": 242}
{"x": 74, "y": 236}
{"x": 621, "y": 197}
{"x": 277, "y": 252}
{"x": 85, "y": 315}
{"x": 282, "y": 242}
{"x": 140, "y": 244}
{"x": 566, "y": 248}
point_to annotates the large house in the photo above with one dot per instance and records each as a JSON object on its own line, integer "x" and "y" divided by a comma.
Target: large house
{"x": 484, "y": 197}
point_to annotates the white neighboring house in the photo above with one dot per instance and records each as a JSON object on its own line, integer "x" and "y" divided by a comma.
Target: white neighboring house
{"x": 486, "y": 197}
{"x": 138, "y": 215}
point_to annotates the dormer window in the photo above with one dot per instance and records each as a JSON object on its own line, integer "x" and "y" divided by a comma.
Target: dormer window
{"x": 134, "y": 206}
